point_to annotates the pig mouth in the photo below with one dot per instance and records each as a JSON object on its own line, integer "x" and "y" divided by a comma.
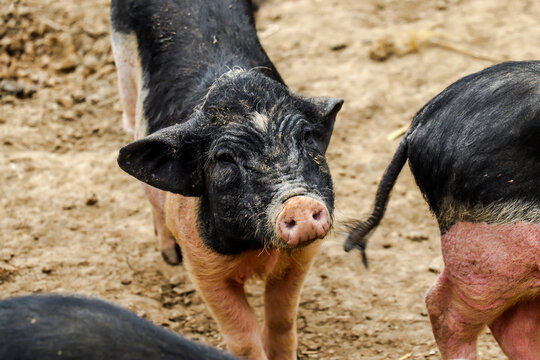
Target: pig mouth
{"x": 289, "y": 249}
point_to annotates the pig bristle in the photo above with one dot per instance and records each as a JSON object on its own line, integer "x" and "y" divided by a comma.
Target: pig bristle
{"x": 507, "y": 212}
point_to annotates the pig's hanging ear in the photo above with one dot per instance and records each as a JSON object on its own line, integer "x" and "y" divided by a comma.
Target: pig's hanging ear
{"x": 166, "y": 159}
{"x": 327, "y": 109}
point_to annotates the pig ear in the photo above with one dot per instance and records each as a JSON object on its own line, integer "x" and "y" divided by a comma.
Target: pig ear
{"x": 327, "y": 109}
{"x": 166, "y": 160}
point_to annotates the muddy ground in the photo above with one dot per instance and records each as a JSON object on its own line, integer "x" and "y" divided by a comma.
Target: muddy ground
{"x": 71, "y": 221}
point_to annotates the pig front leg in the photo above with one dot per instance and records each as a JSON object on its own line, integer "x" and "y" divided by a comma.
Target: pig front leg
{"x": 517, "y": 330}
{"x": 238, "y": 324}
{"x": 281, "y": 298}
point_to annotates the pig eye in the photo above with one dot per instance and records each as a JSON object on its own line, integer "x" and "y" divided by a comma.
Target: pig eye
{"x": 309, "y": 139}
{"x": 225, "y": 159}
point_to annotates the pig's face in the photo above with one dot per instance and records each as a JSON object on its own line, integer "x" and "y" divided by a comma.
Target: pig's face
{"x": 250, "y": 151}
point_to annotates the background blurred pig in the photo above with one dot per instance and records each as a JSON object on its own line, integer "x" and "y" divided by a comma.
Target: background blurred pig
{"x": 474, "y": 151}
{"x": 53, "y": 326}
{"x": 233, "y": 161}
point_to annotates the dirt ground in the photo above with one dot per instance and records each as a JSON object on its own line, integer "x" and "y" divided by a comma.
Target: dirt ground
{"x": 72, "y": 221}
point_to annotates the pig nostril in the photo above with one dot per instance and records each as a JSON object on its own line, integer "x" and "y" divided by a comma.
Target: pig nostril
{"x": 317, "y": 215}
{"x": 290, "y": 224}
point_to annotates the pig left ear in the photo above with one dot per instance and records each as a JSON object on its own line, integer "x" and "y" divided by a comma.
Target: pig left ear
{"x": 327, "y": 109}
{"x": 166, "y": 160}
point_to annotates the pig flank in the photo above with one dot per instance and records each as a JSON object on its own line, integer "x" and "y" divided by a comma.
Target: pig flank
{"x": 474, "y": 152}
{"x": 232, "y": 161}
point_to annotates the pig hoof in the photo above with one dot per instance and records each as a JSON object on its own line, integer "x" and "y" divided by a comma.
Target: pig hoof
{"x": 172, "y": 256}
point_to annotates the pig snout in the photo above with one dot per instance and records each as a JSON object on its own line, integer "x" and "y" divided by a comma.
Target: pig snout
{"x": 302, "y": 220}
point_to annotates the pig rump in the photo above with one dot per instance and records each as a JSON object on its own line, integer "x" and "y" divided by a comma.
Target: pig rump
{"x": 473, "y": 151}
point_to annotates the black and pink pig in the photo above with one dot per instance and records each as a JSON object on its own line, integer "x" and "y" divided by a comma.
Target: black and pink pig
{"x": 232, "y": 161}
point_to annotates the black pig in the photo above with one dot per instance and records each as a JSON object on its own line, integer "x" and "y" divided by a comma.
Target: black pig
{"x": 53, "y": 326}
{"x": 474, "y": 151}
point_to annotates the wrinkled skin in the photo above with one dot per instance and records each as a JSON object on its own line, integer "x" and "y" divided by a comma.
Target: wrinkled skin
{"x": 491, "y": 278}
{"x": 245, "y": 165}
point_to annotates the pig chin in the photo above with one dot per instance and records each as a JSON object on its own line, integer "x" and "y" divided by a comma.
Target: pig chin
{"x": 277, "y": 243}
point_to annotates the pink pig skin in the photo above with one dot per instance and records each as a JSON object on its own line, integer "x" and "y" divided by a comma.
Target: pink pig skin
{"x": 491, "y": 277}
{"x": 220, "y": 280}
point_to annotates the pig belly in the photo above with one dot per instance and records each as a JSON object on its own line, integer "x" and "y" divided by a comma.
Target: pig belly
{"x": 490, "y": 265}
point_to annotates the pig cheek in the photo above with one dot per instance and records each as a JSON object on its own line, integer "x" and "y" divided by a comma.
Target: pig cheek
{"x": 233, "y": 213}
{"x": 317, "y": 175}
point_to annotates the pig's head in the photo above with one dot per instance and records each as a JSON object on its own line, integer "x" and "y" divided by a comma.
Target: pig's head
{"x": 255, "y": 155}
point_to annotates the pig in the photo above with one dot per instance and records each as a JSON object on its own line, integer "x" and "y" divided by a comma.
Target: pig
{"x": 54, "y": 326}
{"x": 232, "y": 161}
{"x": 474, "y": 151}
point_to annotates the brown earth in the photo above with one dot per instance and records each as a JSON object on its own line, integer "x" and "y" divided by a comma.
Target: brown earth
{"x": 71, "y": 221}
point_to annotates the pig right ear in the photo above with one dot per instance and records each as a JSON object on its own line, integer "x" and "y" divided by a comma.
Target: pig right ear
{"x": 327, "y": 108}
{"x": 165, "y": 160}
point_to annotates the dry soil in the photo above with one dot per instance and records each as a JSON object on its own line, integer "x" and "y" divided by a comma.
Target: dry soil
{"x": 72, "y": 221}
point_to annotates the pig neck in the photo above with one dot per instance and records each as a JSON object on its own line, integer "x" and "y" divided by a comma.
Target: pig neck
{"x": 182, "y": 219}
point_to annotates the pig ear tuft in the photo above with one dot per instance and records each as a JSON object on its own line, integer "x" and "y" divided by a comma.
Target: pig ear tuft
{"x": 165, "y": 160}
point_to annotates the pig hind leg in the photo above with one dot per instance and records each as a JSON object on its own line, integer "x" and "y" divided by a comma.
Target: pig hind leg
{"x": 126, "y": 57}
{"x": 125, "y": 50}
{"x": 517, "y": 330}
{"x": 455, "y": 324}
{"x": 170, "y": 251}
{"x": 487, "y": 268}
{"x": 167, "y": 244}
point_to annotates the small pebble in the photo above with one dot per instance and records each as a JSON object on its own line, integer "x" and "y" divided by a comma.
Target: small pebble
{"x": 176, "y": 279}
{"x": 437, "y": 265}
{"x": 92, "y": 200}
